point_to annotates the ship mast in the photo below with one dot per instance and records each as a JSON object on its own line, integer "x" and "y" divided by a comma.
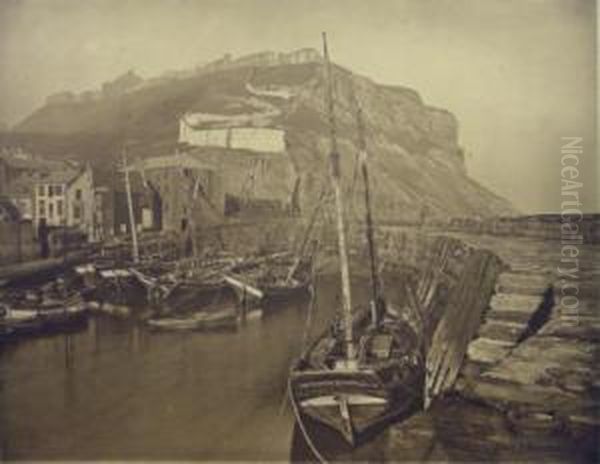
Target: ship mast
{"x": 334, "y": 159}
{"x": 135, "y": 254}
{"x": 378, "y": 302}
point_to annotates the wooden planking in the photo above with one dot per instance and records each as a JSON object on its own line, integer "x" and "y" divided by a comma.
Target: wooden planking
{"x": 462, "y": 316}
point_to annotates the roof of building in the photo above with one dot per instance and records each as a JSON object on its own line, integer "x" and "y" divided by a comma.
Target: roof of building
{"x": 33, "y": 170}
{"x": 65, "y": 175}
{"x": 21, "y": 186}
{"x": 18, "y": 159}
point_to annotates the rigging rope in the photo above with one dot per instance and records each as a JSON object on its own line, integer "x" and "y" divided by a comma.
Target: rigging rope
{"x": 313, "y": 298}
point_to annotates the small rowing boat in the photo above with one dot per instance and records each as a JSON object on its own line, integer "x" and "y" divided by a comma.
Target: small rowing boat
{"x": 222, "y": 319}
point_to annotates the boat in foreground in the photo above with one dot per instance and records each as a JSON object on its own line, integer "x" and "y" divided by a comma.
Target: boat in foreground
{"x": 358, "y": 396}
{"x": 368, "y": 368}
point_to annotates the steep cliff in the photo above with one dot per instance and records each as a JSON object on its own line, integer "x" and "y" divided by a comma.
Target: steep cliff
{"x": 415, "y": 155}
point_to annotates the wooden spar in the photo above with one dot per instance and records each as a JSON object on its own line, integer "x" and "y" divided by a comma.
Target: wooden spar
{"x": 134, "y": 242}
{"x": 362, "y": 147}
{"x": 144, "y": 279}
{"x": 236, "y": 283}
{"x": 334, "y": 159}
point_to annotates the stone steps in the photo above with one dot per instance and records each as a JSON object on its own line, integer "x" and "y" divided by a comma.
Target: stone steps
{"x": 486, "y": 351}
{"x": 586, "y": 289}
{"x": 503, "y": 331}
{"x": 508, "y": 316}
{"x": 517, "y": 298}
{"x": 515, "y": 302}
{"x": 523, "y": 284}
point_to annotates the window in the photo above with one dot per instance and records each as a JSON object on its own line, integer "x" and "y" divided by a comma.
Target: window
{"x": 50, "y": 210}
{"x": 59, "y": 208}
{"x": 76, "y": 212}
{"x": 58, "y": 190}
{"x": 41, "y": 190}
{"x": 78, "y": 194}
{"x": 51, "y": 190}
{"x": 42, "y": 208}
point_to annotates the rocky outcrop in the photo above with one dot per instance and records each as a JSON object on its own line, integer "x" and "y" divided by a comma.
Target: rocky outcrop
{"x": 416, "y": 157}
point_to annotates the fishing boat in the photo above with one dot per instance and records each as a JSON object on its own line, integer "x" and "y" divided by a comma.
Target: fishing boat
{"x": 120, "y": 287}
{"x": 279, "y": 290}
{"x": 19, "y": 322}
{"x": 62, "y": 318}
{"x": 49, "y": 316}
{"x": 287, "y": 279}
{"x": 367, "y": 368}
{"x": 203, "y": 320}
{"x": 270, "y": 279}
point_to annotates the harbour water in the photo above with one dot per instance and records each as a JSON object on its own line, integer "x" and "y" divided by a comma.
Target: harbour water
{"x": 119, "y": 391}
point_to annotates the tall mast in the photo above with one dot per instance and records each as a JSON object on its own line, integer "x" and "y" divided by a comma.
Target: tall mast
{"x": 362, "y": 156}
{"x": 334, "y": 159}
{"x": 134, "y": 242}
{"x": 191, "y": 222}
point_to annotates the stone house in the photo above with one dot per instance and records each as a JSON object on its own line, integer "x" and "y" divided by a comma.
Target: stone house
{"x": 19, "y": 172}
{"x": 177, "y": 187}
{"x": 111, "y": 205}
{"x": 66, "y": 198}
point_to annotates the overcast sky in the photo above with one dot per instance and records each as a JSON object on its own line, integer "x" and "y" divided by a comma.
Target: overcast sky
{"x": 518, "y": 74}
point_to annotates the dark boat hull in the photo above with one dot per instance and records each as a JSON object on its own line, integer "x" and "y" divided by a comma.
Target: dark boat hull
{"x": 356, "y": 398}
{"x": 21, "y": 328}
{"x": 278, "y": 294}
{"x": 63, "y": 320}
{"x": 356, "y": 404}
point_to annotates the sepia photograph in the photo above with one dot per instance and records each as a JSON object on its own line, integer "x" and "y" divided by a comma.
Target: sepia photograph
{"x": 299, "y": 231}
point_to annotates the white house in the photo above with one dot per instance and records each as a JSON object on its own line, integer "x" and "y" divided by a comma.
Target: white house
{"x": 66, "y": 198}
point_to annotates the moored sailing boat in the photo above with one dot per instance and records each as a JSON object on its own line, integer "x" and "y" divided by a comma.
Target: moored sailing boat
{"x": 367, "y": 368}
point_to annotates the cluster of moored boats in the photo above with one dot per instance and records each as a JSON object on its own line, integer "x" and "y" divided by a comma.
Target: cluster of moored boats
{"x": 201, "y": 294}
{"x": 47, "y": 310}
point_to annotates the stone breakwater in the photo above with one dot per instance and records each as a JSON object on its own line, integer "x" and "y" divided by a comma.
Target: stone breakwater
{"x": 528, "y": 387}
{"x": 511, "y": 372}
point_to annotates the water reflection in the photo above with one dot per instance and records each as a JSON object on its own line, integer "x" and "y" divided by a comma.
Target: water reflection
{"x": 116, "y": 390}
{"x": 119, "y": 391}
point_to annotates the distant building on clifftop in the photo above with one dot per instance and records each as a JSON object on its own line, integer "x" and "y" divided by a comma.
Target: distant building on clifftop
{"x": 122, "y": 84}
